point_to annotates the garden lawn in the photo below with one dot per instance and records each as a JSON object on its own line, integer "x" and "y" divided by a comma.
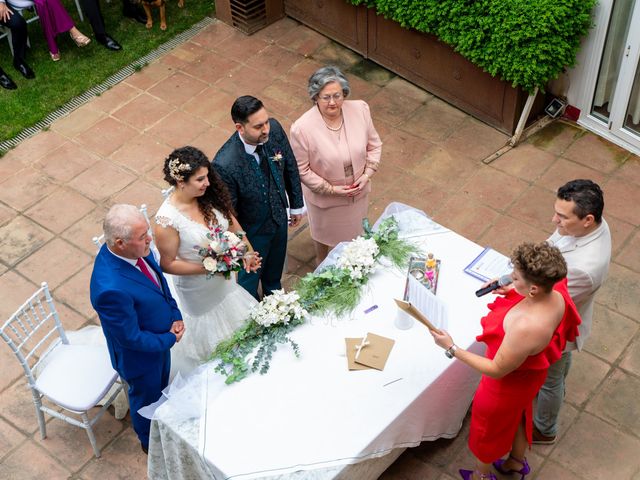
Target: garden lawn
{"x": 81, "y": 68}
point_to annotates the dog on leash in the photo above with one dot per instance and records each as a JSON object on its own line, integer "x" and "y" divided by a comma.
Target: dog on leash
{"x": 147, "y": 4}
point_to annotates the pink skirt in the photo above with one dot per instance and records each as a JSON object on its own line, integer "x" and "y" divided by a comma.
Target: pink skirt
{"x": 332, "y": 225}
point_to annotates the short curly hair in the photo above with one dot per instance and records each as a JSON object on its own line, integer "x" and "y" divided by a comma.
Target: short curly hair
{"x": 322, "y": 77}
{"x": 540, "y": 264}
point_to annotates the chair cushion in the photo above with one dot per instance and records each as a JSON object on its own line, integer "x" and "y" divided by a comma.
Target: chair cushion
{"x": 76, "y": 377}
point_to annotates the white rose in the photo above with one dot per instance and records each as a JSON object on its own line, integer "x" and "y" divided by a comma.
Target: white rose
{"x": 216, "y": 246}
{"x": 210, "y": 264}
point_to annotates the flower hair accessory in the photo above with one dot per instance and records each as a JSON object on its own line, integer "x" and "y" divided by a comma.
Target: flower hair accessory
{"x": 175, "y": 167}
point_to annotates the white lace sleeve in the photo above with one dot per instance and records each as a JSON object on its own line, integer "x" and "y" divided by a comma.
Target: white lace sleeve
{"x": 164, "y": 222}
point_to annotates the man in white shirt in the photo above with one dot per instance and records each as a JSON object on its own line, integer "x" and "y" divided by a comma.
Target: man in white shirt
{"x": 583, "y": 237}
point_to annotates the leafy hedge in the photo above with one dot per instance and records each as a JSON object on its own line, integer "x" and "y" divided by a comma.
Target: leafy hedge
{"x": 525, "y": 42}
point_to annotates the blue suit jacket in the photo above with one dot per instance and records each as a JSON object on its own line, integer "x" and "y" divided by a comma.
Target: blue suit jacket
{"x": 244, "y": 179}
{"x": 136, "y": 316}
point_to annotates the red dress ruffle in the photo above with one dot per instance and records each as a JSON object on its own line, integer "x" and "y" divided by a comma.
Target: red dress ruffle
{"x": 499, "y": 404}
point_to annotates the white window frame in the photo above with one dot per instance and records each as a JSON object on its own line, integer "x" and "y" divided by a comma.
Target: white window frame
{"x": 586, "y": 82}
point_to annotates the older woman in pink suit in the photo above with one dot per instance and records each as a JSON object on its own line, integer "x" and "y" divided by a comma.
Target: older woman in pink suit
{"x": 338, "y": 151}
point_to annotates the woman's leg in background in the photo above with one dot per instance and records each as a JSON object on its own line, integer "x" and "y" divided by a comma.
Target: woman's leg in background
{"x": 322, "y": 251}
{"x": 54, "y": 20}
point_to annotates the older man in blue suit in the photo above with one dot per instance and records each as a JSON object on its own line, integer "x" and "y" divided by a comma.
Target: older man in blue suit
{"x": 261, "y": 172}
{"x": 139, "y": 317}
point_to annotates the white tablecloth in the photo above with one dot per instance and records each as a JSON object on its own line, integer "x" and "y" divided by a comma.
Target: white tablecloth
{"x": 310, "y": 417}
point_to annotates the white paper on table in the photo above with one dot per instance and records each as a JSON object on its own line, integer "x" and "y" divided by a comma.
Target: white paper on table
{"x": 488, "y": 265}
{"x": 428, "y": 304}
{"x": 412, "y": 224}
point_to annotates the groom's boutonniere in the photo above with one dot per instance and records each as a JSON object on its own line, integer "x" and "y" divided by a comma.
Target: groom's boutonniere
{"x": 277, "y": 158}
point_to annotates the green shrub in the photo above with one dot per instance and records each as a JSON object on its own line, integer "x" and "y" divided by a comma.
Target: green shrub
{"x": 525, "y": 42}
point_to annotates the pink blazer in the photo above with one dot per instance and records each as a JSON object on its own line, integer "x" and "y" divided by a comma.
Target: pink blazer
{"x": 319, "y": 158}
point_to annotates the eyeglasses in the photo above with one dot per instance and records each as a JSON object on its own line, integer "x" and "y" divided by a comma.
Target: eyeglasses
{"x": 336, "y": 97}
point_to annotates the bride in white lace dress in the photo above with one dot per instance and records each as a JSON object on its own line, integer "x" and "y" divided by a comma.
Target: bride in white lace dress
{"x": 212, "y": 308}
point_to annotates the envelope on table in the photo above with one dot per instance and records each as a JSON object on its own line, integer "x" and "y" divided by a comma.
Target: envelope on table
{"x": 352, "y": 344}
{"x": 376, "y": 353}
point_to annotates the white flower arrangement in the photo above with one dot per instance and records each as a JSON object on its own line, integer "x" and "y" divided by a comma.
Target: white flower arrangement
{"x": 359, "y": 257}
{"x": 336, "y": 289}
{"x": 279, "y": 307}
{"x": 251, "y": 347}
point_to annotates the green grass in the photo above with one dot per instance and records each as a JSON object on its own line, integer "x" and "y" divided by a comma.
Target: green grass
{"x": 81, "y": 68}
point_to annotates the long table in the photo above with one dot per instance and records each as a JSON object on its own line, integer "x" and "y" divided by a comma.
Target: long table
{"x": 310, "y": 417}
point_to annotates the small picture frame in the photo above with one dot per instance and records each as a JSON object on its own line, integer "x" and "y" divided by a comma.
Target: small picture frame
{"x": 418, "y": 270}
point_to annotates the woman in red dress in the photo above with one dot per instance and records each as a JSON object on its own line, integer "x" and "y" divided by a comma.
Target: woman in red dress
{"x": 525, "y": 332}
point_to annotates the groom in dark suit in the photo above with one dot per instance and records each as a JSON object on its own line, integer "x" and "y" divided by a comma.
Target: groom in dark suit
{"x": 139, "y": 317}
{"x": 261, "y": 172}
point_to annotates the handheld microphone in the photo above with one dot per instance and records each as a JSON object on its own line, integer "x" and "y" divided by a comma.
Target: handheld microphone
{"x": 503, "y": 281}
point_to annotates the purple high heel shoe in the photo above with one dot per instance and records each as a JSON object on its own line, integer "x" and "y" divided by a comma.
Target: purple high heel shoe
{"x": 468, "y": 475}
{"x": 524, "y": 471}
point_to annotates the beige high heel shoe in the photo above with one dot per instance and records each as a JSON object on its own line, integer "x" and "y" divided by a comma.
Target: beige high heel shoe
{"x": 80, "y": 39}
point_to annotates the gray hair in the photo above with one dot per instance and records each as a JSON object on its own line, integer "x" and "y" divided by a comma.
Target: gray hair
{"x": 326, "y": 75}
{"x": 118, "y": 222}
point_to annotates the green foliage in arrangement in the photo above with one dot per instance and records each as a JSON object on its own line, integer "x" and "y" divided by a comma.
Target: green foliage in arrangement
{"x": 336, "y": 289}
{"x": 333, "y": 290}
{"x": 389, "y": 243}
{"x": 525, "y": 42}
{"x": 233, "y": 355}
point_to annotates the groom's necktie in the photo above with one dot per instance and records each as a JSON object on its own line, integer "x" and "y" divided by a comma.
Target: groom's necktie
{"x": 145, "y": 270}
{"x": 264, "y": 162}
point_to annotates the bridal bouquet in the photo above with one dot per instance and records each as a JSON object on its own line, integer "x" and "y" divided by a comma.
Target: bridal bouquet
{"x": 223, "y": 253}
{"x": 270, "y": 323}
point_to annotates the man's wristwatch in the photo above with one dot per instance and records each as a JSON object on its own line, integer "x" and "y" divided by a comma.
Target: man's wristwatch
{"x": 451, "y": 351}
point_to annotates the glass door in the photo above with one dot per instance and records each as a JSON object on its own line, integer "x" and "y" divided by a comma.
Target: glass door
{"x": 616, "y": 98}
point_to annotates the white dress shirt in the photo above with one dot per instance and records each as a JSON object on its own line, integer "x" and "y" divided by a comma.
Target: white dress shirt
{"x": 133, "y": 264}
{"x": 588, "y": 259}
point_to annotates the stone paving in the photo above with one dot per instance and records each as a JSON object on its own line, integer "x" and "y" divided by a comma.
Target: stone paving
{"x": 56, "y": 186}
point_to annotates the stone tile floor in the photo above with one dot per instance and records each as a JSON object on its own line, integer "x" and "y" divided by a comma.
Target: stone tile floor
{"x": 56, "y": 186}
